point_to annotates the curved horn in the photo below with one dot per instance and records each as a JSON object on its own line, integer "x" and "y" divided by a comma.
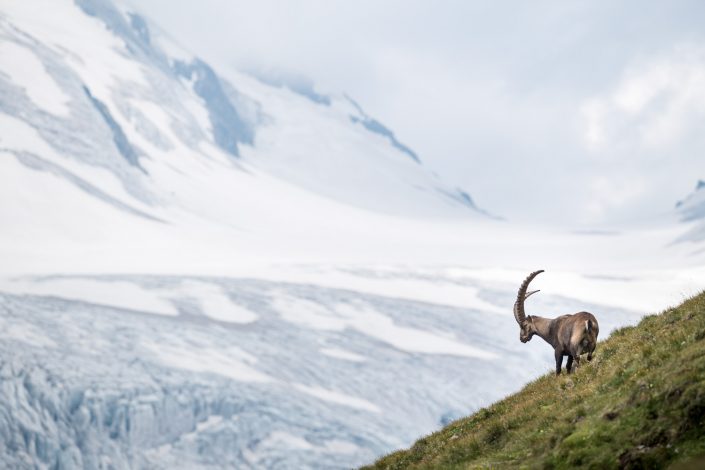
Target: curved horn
{"x": 522, "y": 295}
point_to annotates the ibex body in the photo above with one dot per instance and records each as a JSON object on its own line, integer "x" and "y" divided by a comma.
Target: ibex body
{"x": 569, "y": 335}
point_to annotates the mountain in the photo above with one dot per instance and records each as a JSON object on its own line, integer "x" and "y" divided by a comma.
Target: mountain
{"x": 692, "y": 209}
{"x": 206, "y": 268}
{"x": 639, "y": 404}
{"x": 100, "y": 103}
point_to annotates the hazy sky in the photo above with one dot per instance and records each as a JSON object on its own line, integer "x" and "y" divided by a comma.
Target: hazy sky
{"x": 590, "y": 113}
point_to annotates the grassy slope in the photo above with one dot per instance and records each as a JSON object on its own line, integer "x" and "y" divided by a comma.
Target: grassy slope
{"x": 639, "y": 404}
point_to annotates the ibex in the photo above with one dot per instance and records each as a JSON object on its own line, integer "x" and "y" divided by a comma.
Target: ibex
{"x": 570, "y": 335}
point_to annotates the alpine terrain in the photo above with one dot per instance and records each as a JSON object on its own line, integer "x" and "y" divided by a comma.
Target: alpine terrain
{"x": 207, "y": 268}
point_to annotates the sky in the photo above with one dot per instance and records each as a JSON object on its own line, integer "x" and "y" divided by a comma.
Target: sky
{"x": 583, "y": 113}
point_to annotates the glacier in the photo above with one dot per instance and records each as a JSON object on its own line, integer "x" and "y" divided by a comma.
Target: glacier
{"x": 90, "y": 384}
{"x": 205, "y": 268}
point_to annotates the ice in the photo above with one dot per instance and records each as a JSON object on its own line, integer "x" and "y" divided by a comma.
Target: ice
{"x": 211, "y": 422}
{"x": 338, "y": 398}
{"x": 307, "y": 313}
{"x": 29, "y": 334}
{"x": 94, "y": 382}
{"x": 318, "y": 301}
{"x": 215, "y": 304}
{"x": 118, "y": 294}
{"x": 342, "y": 354}
{"x": 230, "y": 362}
{"x": 278, "y": 439}
{"x": 368, "y": 321}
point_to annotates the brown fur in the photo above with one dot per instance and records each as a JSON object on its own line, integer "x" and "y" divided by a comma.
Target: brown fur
{"x": 569, "y": 335}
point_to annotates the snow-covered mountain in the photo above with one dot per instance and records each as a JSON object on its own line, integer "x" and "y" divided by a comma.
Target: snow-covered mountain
{"x": 692, "y": 209}
{"x": 94, "y": 97}
{"x": 205, "y": 268}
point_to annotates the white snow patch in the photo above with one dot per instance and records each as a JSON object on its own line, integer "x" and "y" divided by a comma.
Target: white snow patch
{"x": 306, "y": 313}
{"x": 19, "y": 136}
{"x": 285, "y": 440}
{"x": 338, "y": 398}
{"x": 279, "y": 439}
{"x": 100, "y": 61}
{"x": 342, "y": 354}
{"x": 26, "y": 70}
{"x": 156, "y": 114}
{"x": 195, "y": 106}
{"x": 370, "y": 322}
{"x": 168, "y": 45}
{"x": 211, "y": 422}
{"x": 230, "y": 362}
{"x": 216, "y": 304}
{"x": 438, "y": 286}
{"x": 119, "y": 294}
{"x": 338, "y": 446}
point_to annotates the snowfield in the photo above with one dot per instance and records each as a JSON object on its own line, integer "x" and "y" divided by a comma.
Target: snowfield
{"x": 203, "y": 269}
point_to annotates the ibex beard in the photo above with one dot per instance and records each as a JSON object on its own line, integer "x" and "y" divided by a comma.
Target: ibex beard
{"x": 569, "y": 335}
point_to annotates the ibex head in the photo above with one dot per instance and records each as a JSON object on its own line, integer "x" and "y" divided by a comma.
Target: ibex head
{"x": 527, "y": 329}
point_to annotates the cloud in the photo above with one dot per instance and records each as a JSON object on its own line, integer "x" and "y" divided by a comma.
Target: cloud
{"x": 658, "y": 102}
{"x": 611, "y": 193}
{"x": 527, "y": 106}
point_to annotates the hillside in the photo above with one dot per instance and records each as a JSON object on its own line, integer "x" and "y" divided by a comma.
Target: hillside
{"x": 639, "y": 404}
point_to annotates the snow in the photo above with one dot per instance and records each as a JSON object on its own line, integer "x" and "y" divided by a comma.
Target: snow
{"x": 294, "y": 307}
{"x": 118, "y": 294}
{"x": 169, "y": 45}
{"x": 99, "y": 61}
{"x": 26, "y": 70}
{"x": 338, "y": 398}
{"x": 172, "y": 377}
{"x": 231, "y": 362}
{"x": 305, "y": 313}
{"x": 156, "y": 115}
{"x": 341, "y": 447}
{"x": 292, "y": 443}
{"x": 215, "y": 303}
{"x": 279, "y": 438}
{"x": 290, "y": 147}
{"x": 28, "y": 334}
{"x": 210, "y": 423}
{"x": 342, "y": 354}
{"x": 36, "y": 217}
{"x": 366, "y": 320}
{"x": 30, "y": 202}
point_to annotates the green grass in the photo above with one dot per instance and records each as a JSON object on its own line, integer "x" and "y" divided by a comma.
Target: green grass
{"x": 639, "y": 404}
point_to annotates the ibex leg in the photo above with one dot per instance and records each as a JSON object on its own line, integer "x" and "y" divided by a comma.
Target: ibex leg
{"x": 559, "y": 361}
